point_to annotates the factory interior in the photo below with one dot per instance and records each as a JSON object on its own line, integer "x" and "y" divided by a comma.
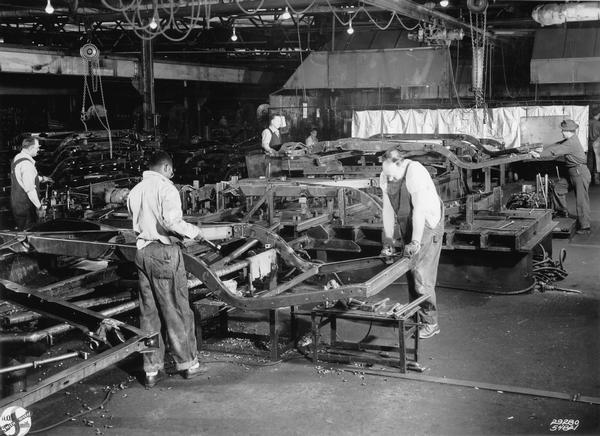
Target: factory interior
{"x": 285, "y": 217}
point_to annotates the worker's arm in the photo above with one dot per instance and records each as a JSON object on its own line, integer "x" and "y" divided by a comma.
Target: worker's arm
{"x": 555, "y": 150}
{"x": 172, "y": 214}
{"x": 418, "y": 216}
{"x": 266, "y": 140}
{"x": 388, "y": 214}
{"x": 133, "y": 207}
{"x": 26, "y": 174}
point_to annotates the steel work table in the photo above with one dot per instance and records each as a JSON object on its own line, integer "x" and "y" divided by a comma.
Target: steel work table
{"x": 406, "y": 321}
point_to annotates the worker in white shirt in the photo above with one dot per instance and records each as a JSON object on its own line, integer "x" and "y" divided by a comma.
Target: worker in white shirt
{"x": 24, "y": 185}
{"x": 157, "y": 217}
{"x": 312, "y": 138}
{"x": 410, "y": 199}
{"x": 271, "y": 137}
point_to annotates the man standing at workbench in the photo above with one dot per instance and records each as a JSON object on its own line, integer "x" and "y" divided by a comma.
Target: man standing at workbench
{"x": 571, "y": 151}
{"x": 24, "y": 185}
{"x": 155, "y": 208}
{"x": 271, "y": 137}
{"x": 410, "y": 198}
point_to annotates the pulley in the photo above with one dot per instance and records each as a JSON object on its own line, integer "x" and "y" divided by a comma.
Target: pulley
{"x": 477, "y": 6}
{"x": 89, "y": 52}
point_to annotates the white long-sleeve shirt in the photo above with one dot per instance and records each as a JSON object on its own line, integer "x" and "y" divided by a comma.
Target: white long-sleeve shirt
{"x": 156, "y": 212}
{"x": 26, "y": 173}
{"x": 423, "y": 196}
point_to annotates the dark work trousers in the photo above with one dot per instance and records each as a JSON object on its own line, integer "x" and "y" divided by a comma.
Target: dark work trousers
{"x": 25, "y": 215}
{"x": 164, "y": 296}
{"x": 580, "y": 179}
{"x": 422, "y": 278}
{"x": 560, "y": 189}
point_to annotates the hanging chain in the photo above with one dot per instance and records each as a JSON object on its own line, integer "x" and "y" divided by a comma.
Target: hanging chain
{"x": 92, "y": 72}
{"x": 479, "y": 64}
{"x": 84, "y": 93}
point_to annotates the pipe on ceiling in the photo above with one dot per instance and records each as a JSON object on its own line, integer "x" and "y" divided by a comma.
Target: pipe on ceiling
{"x": 559, "y": 13}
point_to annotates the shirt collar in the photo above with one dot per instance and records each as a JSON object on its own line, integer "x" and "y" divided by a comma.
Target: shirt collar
{"x": 25, "y": 155}
{"x": 148, "y": 174}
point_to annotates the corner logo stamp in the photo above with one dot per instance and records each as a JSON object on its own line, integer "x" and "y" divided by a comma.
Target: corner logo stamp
{"x": 15, "y": 421}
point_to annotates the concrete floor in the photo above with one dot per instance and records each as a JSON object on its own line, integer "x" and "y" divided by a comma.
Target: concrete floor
{"x": 547, "y": 341}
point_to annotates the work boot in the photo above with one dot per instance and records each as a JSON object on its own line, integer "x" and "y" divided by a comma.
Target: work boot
{"x": 151, "y": 380}
{"x": 584, "y": 231}
{"x": 194, "y": 370}
{"x": 428, "y": 331}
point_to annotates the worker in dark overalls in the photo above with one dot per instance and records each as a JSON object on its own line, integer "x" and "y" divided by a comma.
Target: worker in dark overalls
{"x": 24, "y": 185}
{"x": 571, "y": 150}
{"x": 271, "y": 137}
{"x": 411, "y": 200}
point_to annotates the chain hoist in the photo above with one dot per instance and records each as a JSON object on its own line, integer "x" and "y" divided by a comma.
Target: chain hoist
{"x": 478, "y": 47}
{"x": 92, "y": 83}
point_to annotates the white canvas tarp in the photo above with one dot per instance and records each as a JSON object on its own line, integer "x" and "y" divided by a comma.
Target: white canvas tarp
{"x": 502, "y": 124}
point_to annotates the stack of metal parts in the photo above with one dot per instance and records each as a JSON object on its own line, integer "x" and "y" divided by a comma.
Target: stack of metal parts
{"x": 211, "y": 161}
{"x": 84, "y": 157}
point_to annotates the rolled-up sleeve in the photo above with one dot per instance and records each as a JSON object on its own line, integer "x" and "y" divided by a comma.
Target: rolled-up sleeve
{"x": 266, "y": 139}
{"x": 172, "y": 214}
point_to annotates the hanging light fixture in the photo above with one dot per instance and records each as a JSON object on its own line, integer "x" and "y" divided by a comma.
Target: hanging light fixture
{"x": 154, "y": 21}
{"x": 49, "y": 9}
{"x": 350, "y": 29}
{"x": 286, "y": 14}
{"x": 234, "y": 37}
{"x": 444, "y": 3}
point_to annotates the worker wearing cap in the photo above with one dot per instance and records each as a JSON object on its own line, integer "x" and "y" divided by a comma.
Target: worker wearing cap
{"x": 571, "y": 150}
{"x": 24, "y": 185}
{"x": 271, "y": 137}
{"x": 157, "y": 218}
{"x": 410, "y": 199}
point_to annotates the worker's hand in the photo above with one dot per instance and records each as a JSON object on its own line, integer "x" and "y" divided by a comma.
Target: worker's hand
{"x": 45, "y": 179}
{"x": 199, "y": 238}
{"x": 387, "y": 250}
{"x": 41, "y": 212}
{"x": 534, "y": 154}
{"x": 413, "y": 248}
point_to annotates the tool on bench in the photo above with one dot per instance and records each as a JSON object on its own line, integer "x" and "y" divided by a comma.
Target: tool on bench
{"x": 212, "y": 245}
{"x": 353, "y": 303}
{"x": 393, "y": 309}
{"x": 380, "y": 304}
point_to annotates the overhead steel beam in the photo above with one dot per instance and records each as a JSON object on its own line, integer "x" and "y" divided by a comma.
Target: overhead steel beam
{"x": 30, "y": 61}
{"x": 419, "y": 12}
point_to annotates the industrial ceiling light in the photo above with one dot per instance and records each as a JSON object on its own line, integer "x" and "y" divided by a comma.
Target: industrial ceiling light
{"x": 350, "y": 29}
{"x": 234, "y": 37}
{"x": 444, "y": 3}
{"x": 154, "y": 21}
{"x": 153, "y": 24}
{"x": 49, "y": 9}
{"x": 286, "y": 14}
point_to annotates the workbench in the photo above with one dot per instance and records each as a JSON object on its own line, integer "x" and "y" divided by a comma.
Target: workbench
{"x": 406, "y": 320}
